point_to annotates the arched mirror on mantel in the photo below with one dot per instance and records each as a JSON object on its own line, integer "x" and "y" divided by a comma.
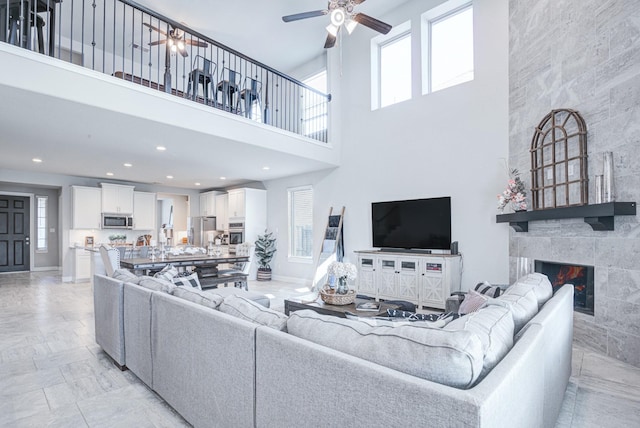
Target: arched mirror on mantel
{"x": 559, "y": 161}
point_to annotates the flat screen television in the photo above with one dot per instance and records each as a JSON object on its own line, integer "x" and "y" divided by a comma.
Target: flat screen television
{"x": 423, "y": 224}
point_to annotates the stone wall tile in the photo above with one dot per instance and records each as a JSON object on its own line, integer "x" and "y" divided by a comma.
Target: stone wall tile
{"x": 617, "y": 252}
{"x": 624, "y": 347}
{"x": 588, "y": 333}
{"x": 622, "y": 316}
{"x": 624, "y": 285}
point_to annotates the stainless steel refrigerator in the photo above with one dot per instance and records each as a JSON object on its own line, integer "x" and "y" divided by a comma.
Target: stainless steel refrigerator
{"x": 202, "y": 230}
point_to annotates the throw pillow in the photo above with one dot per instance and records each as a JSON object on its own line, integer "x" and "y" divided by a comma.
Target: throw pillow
{"x": 451, "y": 358}
{"x": 200, "y": 297}
{"x": 167, "y": 273}
{"x": 488, "y": 289}
{"x": 188, "y": 280}
{"x": 251, "y": 311}
{"x": 472, "y": 302}
{"x": 494, "y": 326}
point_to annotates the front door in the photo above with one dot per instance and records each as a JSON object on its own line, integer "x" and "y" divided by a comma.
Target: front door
{"x": 14, "y": 233}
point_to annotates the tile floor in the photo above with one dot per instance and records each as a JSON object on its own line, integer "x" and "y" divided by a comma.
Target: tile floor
{"x": 53, "y": 374}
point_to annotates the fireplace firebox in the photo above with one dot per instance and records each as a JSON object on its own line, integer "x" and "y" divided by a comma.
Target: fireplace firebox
{"x": 580, "y": 276}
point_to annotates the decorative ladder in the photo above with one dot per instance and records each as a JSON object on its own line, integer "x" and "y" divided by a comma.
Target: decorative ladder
{"x": 332, "y": 248}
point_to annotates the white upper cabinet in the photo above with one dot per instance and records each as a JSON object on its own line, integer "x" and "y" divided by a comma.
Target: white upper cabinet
{"x": 208, "y": 203}
{"x": 117, "y": 199}
{"x": 222, "y": 215}
{"x": 236, "y": 203}
{"x": 144, "y": 211}
{"x": 86, "y": 207}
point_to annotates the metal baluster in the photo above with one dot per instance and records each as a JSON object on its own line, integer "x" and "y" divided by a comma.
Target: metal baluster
{"x": 104, "y": 34}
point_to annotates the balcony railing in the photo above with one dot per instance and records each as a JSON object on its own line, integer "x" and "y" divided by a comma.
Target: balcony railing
{"x": 131, "y": 42}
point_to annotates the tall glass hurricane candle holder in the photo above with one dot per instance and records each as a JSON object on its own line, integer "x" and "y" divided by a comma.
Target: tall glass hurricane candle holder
{"x": 607, "y": 180}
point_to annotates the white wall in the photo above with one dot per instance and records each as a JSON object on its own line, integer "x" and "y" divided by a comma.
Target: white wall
{"x": 449, "y": 143}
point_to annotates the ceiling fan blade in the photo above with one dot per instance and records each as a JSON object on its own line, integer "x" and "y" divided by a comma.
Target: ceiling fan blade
{"x": 154, "y": 28}
{"x": 157, "y": 42}
{"x": 330, "y": 42}
{"x": 183, "y": 52}
{"x": 304, "y": 15}
{"x": 372, "y": 23}
{"x": 198, "y": 43}
{"x": 358, "y": 1}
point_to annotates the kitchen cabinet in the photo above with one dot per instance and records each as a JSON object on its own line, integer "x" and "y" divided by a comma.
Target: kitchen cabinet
{"x": 144, "y": 211}
{"x": 208, "y": 203}
{"x": 86, "y": 207}
{"x": 237, "y": 202}
{"x": 117, "y": 199}
{"x": 81, "y": 265}
{"x": 423, "y": 279}
{"x": 222, "y": 214}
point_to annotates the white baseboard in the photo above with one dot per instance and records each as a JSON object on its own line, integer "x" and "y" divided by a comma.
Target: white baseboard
{"x": 46, "y": 268}
{"x": 67, "y": 279}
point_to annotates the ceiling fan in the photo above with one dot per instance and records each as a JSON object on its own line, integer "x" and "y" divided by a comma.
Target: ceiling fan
{"x": 175, "y": 40}
{"x": 342, "y": 13}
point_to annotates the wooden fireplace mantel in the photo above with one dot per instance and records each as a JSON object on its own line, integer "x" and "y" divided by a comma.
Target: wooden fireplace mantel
{"x": 599, "y": 216}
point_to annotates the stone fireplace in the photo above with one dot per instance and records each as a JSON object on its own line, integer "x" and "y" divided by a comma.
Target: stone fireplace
{"x": 570, "y": 55}
{"x": 580, "y": 276}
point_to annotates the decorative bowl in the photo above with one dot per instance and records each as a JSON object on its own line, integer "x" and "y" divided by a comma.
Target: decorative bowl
{"x": 330, "y": 297}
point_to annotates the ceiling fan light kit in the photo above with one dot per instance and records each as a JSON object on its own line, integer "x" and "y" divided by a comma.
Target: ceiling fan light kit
{"x": 341, "y": 12}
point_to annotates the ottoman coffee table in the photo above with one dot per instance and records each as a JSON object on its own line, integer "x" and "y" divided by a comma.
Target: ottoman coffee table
{"x": 321, "y": 307}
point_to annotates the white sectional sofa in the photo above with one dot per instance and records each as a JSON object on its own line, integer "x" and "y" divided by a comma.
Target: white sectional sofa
{"x": 217, "y": 369}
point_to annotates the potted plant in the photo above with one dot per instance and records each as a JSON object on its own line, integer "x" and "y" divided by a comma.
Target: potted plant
{"x": 265, "y": 249}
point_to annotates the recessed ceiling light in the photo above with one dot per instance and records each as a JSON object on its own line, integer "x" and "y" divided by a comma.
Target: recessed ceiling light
{"x": 169, "y": 176}
{"x": 223, "y": 178}
{"x": 37, "y": 160}
{"x": 128, "y": 165}
{"x": 110, "y": 174}
{"x": 161, "y": 148}
{"x": 197, "y": 184}
{"x": 266, "y": 168}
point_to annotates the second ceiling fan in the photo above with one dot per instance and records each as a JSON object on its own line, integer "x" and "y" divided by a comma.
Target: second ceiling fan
{"x": 342, "y": 12}
{"x": 175, "y": 40}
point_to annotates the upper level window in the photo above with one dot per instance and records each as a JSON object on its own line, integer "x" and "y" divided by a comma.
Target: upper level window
{"x": 314, "y": 115}
{"x": 447, "y": 45}
{"x": 41, "y": 223}
{"x": 301, "y": 222}
{"x": 391, "y": 67}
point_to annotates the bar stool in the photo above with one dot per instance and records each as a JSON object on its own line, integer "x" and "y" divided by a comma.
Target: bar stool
{"x": 251, "y": 94}
{"x": 201, "y": 76}
{"x": 229, "y": 87}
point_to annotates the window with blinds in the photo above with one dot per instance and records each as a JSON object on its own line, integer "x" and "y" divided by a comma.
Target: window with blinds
{"x": 41, "y": 221}
{"x": 301, "y": 222}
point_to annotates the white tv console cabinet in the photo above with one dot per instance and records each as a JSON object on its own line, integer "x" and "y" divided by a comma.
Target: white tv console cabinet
{"x": 423, "y": 279}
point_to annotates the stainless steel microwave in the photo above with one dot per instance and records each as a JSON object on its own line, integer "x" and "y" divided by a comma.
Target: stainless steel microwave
{"x": 115, "y": 221}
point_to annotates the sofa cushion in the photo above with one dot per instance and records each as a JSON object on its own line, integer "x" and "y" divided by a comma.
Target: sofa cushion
{"x": 494, "y": 326}
{"x": 189, "y": 281}
{"x": 251, "y": 311}
{"x": 451, "y": 358}
{"x": 198, "y": 296}
{"x": 156, "y": 284}
{"x": 521, "y": 301}
{"x": 167, "y": 273}
{"x": 472, "y": 302}
{"x": 251, "y": 295}
{"x": 540, "y": 285}
{"x": 125, "y": 275}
